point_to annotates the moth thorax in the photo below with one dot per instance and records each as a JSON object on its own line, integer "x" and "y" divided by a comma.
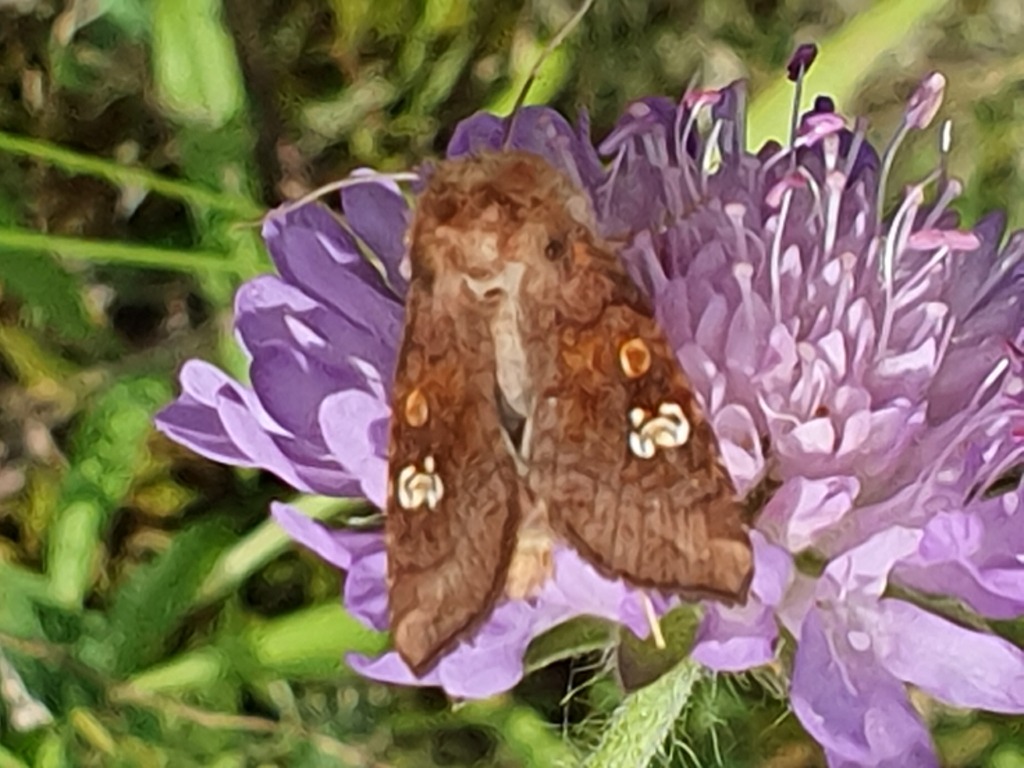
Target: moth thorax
{"x": 476, "y": 250}
{"x": 499, "y": 296}
{"x": 669, "y": 429}
{"x": 414, "y": 488}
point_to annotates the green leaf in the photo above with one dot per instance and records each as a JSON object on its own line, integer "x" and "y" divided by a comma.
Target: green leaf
{"x": 130, "y": 16}
{"x": 311, "y": 642}
{"x": 51, "y": 295}
{"x": 645, "y": 719}
{"x": 49, "y": 291}
{"x": 528, "y": 737}
{"x": 88, "y": 726}
{"x": 17, "y": 609}
{"x": 641, "y": 662}
{"x": 155, "y": 598}
{"x": 52, "y": 752}
{"x": 30, "y": 361}
{"x": 9, "y": 760}
{"x": 551, "y": 77}
{"x": 16, "y": 580}
{"x": 263, "y": 544}
{"x": 585, "y": 634}
{"x": 197, "y": 76}
{"x": 108, "y": 449}
{"x": 193, "y": 671}
{"x": 1007, "y": 756}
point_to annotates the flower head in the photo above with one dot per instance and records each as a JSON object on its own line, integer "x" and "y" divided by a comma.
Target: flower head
{"x": 322, "y": 336}
{"x": 863, "y": 368}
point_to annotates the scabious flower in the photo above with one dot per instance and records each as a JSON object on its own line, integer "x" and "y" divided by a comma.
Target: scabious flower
{"x": 322, "y": 336}
{"x": 863, "y": 369}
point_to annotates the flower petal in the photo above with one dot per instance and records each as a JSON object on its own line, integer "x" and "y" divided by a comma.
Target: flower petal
{"x": 314, "y": 252}
{"x": 865, "y": 568}
{"x": 246, "y": 430}
{"x": 735, "y": 639}
{"x": 478, "y": 133}
{"x": 975, "y": 554}
{"x": 803, "y": 508}
{"x": 379, "y": 215}
{"x": 359, "y": 553}
{"x": 340, "y": 548}
{"x": 773, "y": 570}
{"x": 487, "y": 664}
{"x": 859, "y": 712}
{"x": 366, "y": 587}
{"x": 269, "y": 312}
{"x": 192, "y": 419}
{"x": 539, "y": 130}
{"x": 956, "y": 665}
{"x": 740, "y": 444}
{"x": 577, "y": 589}
{"x": 348, "y": 420}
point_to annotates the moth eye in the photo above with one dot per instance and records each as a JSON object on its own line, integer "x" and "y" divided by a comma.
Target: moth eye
{"x": 555, "y": 249}
{"x": 415, "y": 487}
{"x": 445, "y": 208}
{"x": 669, "y": 429}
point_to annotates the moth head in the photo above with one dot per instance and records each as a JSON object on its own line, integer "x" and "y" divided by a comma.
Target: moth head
{"x": 480, "y": 214}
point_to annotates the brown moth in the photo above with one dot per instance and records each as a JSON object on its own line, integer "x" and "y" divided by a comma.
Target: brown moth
{"x": 536, "y": 401}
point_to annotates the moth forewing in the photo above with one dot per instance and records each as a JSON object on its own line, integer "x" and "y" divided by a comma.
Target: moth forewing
{"x": 644, "y": 495}
{"x": 453, "y": 506}
{"x": 534, "y": 379}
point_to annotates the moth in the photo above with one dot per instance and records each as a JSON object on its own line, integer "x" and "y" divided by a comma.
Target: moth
{"x": 536, "y": 402}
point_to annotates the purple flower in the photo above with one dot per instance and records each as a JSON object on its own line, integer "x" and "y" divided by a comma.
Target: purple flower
{"x": 322, "y": 338}
{"x": 869, "y": 371}
{"x": 863, "y": 367}
{"x": 492, "y": 660}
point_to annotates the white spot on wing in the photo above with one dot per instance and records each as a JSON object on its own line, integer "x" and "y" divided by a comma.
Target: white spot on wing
{"x": 669, "y": 429}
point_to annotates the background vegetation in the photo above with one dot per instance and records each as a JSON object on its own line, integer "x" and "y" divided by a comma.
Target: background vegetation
{"x": 149, "y": 613}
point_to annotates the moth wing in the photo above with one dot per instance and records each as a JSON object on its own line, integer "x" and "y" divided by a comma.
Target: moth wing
{"x": 668, "y": 520}
{"x": 453, "y": 498}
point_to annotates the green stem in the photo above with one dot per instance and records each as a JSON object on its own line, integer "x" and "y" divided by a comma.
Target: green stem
{"x": 311, "y": 641}
{"x": 75, "y": 162}
{"x": 262, "y": 545}
{"x": 645, "y": 719}
{"x": 12, "y": 238}
{"x": 73, "y": 551}
{"x": 193, "y": 671}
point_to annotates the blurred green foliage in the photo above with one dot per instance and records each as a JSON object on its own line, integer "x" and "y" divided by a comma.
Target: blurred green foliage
{"x": 150, "y": 615}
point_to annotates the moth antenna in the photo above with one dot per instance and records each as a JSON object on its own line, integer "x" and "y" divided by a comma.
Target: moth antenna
{"x": 348, "y": 181}
{"x": 652, "y": 619}
{"x": 553, "y": 43}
